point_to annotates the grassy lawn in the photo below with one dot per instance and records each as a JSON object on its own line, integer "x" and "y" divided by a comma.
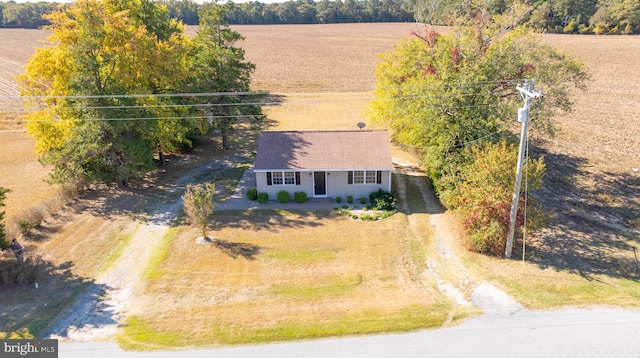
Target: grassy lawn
{"x": 281, "y": 275}
{"x": 549, "y": 288}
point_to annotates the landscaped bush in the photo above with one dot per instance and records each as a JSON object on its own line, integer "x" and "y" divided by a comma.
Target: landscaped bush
{"x": 363, "y": 200}
{"x": 263, "y": 198}
{"x": 368, "y": 217}
{"x": 284, "y": 197}
{"x": 338, "y": 199}
{"x": 349, "y": 199}
{"x": 382, "y": 200}
{"x": 252, "y": 194}
{"x": 300, "y": 197}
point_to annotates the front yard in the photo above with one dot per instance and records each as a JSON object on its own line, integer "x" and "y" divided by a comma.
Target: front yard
{"x": 281, "y": 275}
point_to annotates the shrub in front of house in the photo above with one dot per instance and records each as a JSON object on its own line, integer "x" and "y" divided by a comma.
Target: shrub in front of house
{"x": 284, "y": 197}
{"x": 363, "y": 200}
{"x": 252, "y": 194}
{"x": 349, "y": 199}
{"x": 300, "y": 197}
{"x": 338, "y": 199}
{"x": 382, "y": 200}
{"x": 263, "y": 198}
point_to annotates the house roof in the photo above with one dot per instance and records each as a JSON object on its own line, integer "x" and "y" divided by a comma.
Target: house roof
{"x": 324, "y": 150}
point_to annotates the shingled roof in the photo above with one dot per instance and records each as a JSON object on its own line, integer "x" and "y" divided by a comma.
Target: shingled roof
{"x": 324, "y": 150}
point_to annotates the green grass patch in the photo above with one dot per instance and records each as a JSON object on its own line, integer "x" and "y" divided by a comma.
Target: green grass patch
{"x": 552, "y": 289}
{"x": 121, "y": 241}
{"x": 139, "y": 335}
{"x": 338, "y": 287}
{"x": 567, "y": 289}
{"x": 302, "y": 256}
{"x": 153, "y": 272}
{"x": 415, "y": 202}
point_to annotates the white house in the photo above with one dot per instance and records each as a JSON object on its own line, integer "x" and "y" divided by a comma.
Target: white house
{"x": 323, "y": 163}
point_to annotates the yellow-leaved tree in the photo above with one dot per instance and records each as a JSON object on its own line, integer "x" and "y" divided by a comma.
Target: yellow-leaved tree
{"x": 106, "y": 94}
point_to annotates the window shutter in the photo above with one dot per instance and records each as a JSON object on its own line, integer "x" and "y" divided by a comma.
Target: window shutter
{"x": 297, "y": 178}
{"x": 379, "y": 177}
{"x": 350, "y": 178}
{"x": 268, "y": 178}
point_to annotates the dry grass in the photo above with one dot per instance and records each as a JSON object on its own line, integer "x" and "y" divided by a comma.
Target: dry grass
{"x": 21, "y": 172}
{"x": 270, "y": 271}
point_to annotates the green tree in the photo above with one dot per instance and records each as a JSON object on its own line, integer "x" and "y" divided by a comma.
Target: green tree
{"x": 617, "y": 17}
{"x": 199, "y": 205}
{"x": 221, "y": 67}
{"x": 441, "y": 93}
{"x": 3, "y": 236}
{"x": 483, "y": 194}
{"x": 103, "y": 51}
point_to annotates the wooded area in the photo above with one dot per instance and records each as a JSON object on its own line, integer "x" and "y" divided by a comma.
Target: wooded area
{"x": 108, "y": 83}
{"x": 563, "y": 16}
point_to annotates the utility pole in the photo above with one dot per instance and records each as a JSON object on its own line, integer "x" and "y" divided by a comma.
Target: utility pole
{"x": 528, "y": 94}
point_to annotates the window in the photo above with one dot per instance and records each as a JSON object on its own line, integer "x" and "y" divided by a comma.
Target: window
{"x": 370, "y": 177}
{"x": 365, "y": 177}
{"x": 289, "y": 178}
{"x": 277, "y": 178}
{"x": 283, "y": 178}
{"x": 358, "y": 177}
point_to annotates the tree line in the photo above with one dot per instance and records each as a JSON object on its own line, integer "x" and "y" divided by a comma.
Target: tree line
{"x": 556, "y": 16}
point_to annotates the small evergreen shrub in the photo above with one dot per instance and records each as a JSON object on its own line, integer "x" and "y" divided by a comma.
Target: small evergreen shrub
{"x": 338, "y": 199}
{"x": 363, "y": 200}
{"x": 284, "y": 197}
{"x": 382, "y": 200}
{"x": 263, "y": 198}
{"x": 252, "y": 194}
{"x": 349, "y": 199}
{"x": 300, "y": 197}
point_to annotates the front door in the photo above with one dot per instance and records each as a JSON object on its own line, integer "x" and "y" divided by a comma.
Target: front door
{"x": 319, "y": 184}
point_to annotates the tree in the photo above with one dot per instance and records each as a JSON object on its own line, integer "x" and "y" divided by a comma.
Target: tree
{"x": 441, "y": 93}
{"x": 221, "y": 67}
{"x": 483, "y": 195}
{"x": 3, "y": 236}
{"x": 102, "y": 52}
{"x": 199, "y": 204}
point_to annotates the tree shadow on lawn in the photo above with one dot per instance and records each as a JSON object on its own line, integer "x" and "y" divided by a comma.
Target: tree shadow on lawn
{"x": 237, "y": 249}
{"x": 30, "y": 310}
{"x": 164, "y": 185}
{"x": 271, "y": 220}
{"x": 592, "y": 222}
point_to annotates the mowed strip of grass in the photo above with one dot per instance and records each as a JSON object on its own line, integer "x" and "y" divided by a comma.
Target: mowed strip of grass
{"x": 281, "y": 275}
{"x": 538, "y": 287}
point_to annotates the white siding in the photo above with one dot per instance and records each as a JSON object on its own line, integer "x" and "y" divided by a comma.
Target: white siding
{"x": 337, "y": 185}
{"x": 306, "y": 185}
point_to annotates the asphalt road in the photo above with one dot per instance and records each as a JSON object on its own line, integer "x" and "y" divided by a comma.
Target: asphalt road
{"x": 595, "y": 332}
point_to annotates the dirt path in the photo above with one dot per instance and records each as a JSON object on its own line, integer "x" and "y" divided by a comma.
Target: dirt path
{"x": 99, "y": 311}
{"x": 451, "y": 276}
